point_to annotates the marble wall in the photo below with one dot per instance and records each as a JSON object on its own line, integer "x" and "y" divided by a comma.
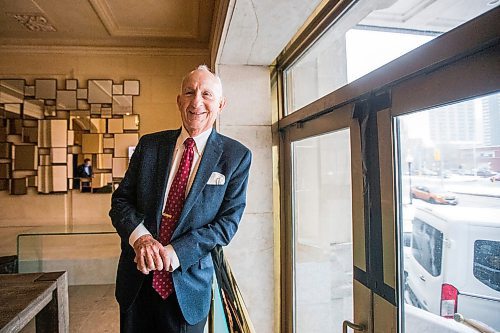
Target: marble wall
{"x": 247, "y": 118}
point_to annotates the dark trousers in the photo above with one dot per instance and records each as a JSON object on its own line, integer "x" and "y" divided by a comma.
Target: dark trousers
{"x": 151, "y": 314}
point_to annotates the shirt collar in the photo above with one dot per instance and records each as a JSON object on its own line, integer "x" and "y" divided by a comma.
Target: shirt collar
{"x": 200, "y": 140}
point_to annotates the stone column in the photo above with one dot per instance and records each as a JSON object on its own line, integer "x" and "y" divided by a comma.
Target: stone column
{"x": 247, "y": 118}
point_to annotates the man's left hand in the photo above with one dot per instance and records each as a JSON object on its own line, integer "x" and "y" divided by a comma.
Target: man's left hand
{"x": 150, "y": 255}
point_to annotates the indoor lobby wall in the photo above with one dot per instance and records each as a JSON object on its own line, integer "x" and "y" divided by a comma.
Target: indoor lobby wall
{"x": 159, "y": 74}
{"x": 247, "y": 118}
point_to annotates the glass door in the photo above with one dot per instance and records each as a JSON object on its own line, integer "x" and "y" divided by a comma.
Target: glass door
{"x": 324, "y": 222}
{"x": 450, "y": 203}
{"x": 323, "y": 231}
{"x": 447, "y": 157}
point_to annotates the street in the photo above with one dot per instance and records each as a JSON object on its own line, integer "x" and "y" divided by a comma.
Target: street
{"x": 471, "y": 191}
{"x": 467, "y": 200}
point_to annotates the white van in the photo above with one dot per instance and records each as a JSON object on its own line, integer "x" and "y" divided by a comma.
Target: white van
{"x": 454, "y": 262}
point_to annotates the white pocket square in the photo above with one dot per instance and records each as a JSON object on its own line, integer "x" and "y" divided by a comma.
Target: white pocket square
{"x": 216, "y": 179}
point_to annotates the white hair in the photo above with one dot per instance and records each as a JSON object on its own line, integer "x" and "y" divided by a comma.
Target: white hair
{"x": 204, "y": 67}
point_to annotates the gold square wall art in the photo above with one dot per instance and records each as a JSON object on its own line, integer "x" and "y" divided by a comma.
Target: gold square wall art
{"x": 123, "y": 142}
{"x": 105, "y": 161}
{"x": 58, "y": 155}
{"x": 52, "y": 133}
{"x": 100, "y": 91}
{"x": 47, "y": 128}
{"x": 115, "y": 125}
{"x": 25, "y": 157}
{"x": 11, "y": 91}
{"x": 119, "y": 167}
{"x": 131, "y": 122}
{"x": 66, "y": 100}
{"x": 45, "y": 89}
{"x": 98, "y": 125}
{"x": 92, "y": 143}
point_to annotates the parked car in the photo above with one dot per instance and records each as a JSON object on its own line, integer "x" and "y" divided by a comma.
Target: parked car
{"x": 495, "y": 178}
{"x": 454, "y": 262}
{"x": 485, "y": 173}
{"x": 433, "y": 195}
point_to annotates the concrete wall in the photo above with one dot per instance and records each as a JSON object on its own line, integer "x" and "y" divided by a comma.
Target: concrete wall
{"x": 247, "y": 118}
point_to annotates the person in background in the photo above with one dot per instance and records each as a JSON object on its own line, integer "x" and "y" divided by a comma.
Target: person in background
{"x": 85, "y": 170}
{"x": 183, "y": 195}
{"x": 84, "y": 173}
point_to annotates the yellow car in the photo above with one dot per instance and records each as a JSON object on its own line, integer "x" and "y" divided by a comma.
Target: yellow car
{"x": 434, "y": 196}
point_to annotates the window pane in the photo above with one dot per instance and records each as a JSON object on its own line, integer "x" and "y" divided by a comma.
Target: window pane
{"x": 323, "y": 232}
{"x": 427, "y": 245}
{"x": 449, "y": 164}
{"x": 487, "y": 263}
{"x": 368, "y": 36}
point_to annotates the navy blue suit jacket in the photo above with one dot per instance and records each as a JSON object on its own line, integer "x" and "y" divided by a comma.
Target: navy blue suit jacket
{"x": 210, "y": 216}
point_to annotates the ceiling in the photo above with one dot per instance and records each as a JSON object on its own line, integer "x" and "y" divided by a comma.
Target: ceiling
{"x": 254, "y": 32}
{"x": 260, "y": 29}
{"x": 115, "y": 23}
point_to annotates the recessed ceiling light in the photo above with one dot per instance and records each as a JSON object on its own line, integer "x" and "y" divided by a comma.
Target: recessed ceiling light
{"x": 33, "y": 22}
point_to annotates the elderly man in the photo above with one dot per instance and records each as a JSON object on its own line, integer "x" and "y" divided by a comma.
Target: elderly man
{"x": 183, "y": 194}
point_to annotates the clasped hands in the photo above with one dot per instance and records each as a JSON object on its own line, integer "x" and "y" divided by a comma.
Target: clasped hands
{"x": 150, "y": 255}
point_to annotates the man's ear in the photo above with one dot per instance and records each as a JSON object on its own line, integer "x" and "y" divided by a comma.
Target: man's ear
{"x": 222, "y": 103}
{"x": 179, "y": 102}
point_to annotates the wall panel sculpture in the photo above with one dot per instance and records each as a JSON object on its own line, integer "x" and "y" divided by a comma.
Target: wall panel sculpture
{"x": 45, "y": 133}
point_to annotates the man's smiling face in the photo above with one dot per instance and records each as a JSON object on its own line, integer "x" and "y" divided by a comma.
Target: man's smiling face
{"x": 200, "y": 101}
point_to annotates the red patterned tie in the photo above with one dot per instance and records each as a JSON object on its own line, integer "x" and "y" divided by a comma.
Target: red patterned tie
{"x": 162, "y": 280}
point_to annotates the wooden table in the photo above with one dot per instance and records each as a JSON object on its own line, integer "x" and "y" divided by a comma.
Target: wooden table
{"x": 40, "y": 295}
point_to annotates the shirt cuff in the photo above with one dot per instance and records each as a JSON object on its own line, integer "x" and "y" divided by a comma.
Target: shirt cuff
{"x": 139, "y": 231}
{"x": 174, "y": 260}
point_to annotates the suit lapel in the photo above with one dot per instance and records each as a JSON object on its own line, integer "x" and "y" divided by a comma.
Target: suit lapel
{"x": 209, "y": 160}
{"x": 165, "y": 155}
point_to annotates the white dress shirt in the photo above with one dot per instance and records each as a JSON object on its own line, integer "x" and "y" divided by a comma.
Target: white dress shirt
{"x": 200, "y": 143}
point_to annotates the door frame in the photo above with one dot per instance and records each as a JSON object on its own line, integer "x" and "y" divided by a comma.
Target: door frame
{"x": 392, "y": 90}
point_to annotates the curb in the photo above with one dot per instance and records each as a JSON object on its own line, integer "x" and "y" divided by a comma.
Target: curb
{"x": 479, "y": 195}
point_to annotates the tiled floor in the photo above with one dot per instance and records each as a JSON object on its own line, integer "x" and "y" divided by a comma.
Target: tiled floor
{"x": 91, "y": 309}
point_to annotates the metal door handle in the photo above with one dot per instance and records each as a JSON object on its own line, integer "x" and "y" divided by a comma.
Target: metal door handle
{"x": 347, "y": 323}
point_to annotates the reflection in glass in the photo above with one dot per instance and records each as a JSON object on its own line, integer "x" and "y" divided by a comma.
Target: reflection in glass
{"x": 71, "y": 84}
{"x": 92, "y": 143}
{"x": 115, "y": 125}
{"x": 66, "y": 100}
{"x": 131, "y": 122}
{"x": 12, "y": 91}
{"x": 487, "y": 262}
{"x": 131, "y": 87}
{"x": 53, "y": 133}
{"x": 323, "y": 232}
{"x": 117, "y": 89}
{"x": 452, "y": 263}
{"x": 384, "y": 30}
{"x": 29, "y": 91}
{"x": 79, "y": 120}
{"x": 122, "y": 104}
{"x": 81, "y": 93}
{"x": 45, "y": 89}
{"x": 33, "y": 109}
{"x": 97, "y": 125}
{"x": 123, "y": 142}
{"x": 100, "y": 91}
{"x": 49, "y": 110}
{"x": 12, "y": 110}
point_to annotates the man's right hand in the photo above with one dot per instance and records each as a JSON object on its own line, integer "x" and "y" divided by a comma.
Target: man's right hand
{"x": 150, "y": 255}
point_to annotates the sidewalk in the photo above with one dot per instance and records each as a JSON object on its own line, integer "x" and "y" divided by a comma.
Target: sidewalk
{"x": 476, "y": 189}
